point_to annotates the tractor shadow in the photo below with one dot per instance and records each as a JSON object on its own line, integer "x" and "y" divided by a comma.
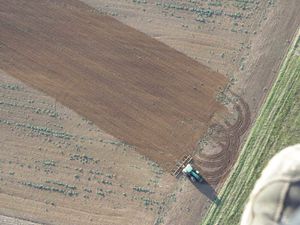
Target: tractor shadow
{"x": 205, "y": 188}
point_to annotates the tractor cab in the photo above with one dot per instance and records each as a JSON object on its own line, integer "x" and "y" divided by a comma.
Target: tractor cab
{"x": 193, "y": 174}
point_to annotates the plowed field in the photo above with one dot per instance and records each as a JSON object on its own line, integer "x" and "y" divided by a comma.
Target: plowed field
{"x": 133, "y": 87}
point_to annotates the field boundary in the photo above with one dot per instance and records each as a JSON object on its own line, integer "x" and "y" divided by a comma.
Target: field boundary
{"x": 215, "y": 214}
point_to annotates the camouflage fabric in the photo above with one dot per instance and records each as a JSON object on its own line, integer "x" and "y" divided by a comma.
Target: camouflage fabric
{"x": 275, "y": 198}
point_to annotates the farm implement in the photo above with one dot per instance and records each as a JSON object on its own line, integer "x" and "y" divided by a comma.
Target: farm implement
{"x": 185, "y": 167}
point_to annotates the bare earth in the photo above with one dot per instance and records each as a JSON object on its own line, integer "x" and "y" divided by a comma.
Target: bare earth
{"x": 249, "y": 49}
{"x": 132, "y": 86}
{"x": 55, "y": 163}
{"x": 60, "y": 168}
{"x": 4, "y": 220}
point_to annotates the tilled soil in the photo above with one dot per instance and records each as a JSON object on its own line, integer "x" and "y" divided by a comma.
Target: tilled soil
{"x": 132, "y": 86}
{"x": 250, "y": 48}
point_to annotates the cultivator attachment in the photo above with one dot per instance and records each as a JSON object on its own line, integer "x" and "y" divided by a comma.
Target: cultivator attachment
{"x": 180, "y": 165}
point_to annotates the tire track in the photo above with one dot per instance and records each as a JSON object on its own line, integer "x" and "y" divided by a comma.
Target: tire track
{"x": 215, "y": 167}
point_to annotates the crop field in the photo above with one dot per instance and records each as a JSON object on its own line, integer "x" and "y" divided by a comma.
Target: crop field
{"x": 242, "y": 39}
{"x": 132, "y": 86}
{"x": 277, "y": 127}
{"x": 56, "y": 163}
{"x": 99, "y": 99}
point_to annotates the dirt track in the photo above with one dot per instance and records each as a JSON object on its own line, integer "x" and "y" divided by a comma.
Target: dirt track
{"x": 132, "y": 86}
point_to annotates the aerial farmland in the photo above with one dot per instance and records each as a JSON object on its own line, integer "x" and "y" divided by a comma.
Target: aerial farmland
{"x": 100, "y": 100}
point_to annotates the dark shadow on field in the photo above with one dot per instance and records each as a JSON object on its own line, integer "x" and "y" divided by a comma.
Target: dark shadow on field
{"x": 205, "y": 188}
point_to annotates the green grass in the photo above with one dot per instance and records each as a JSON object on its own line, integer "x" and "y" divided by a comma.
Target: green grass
{"x": 277, "y": 126}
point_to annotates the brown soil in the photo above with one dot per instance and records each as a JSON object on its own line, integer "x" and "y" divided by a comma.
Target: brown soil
{"x": 132, "y": 86}
{"x": 249, "y": 48}
{"x": 44, "y": 144}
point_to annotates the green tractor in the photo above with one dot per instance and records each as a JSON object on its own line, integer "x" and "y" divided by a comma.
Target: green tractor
{"x": 193, "y": 174}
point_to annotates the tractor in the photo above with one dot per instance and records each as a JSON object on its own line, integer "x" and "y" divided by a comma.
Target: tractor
{"x": 193, "y": 174}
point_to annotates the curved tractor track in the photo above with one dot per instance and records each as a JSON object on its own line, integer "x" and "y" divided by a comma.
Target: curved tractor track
{"x": 215, "y": 167}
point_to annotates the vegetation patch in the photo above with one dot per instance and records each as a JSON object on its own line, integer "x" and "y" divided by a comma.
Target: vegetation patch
{"x": 44, "y": 187}
{"x": 10, "y": 86}
{"x": 39, "y": 129}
